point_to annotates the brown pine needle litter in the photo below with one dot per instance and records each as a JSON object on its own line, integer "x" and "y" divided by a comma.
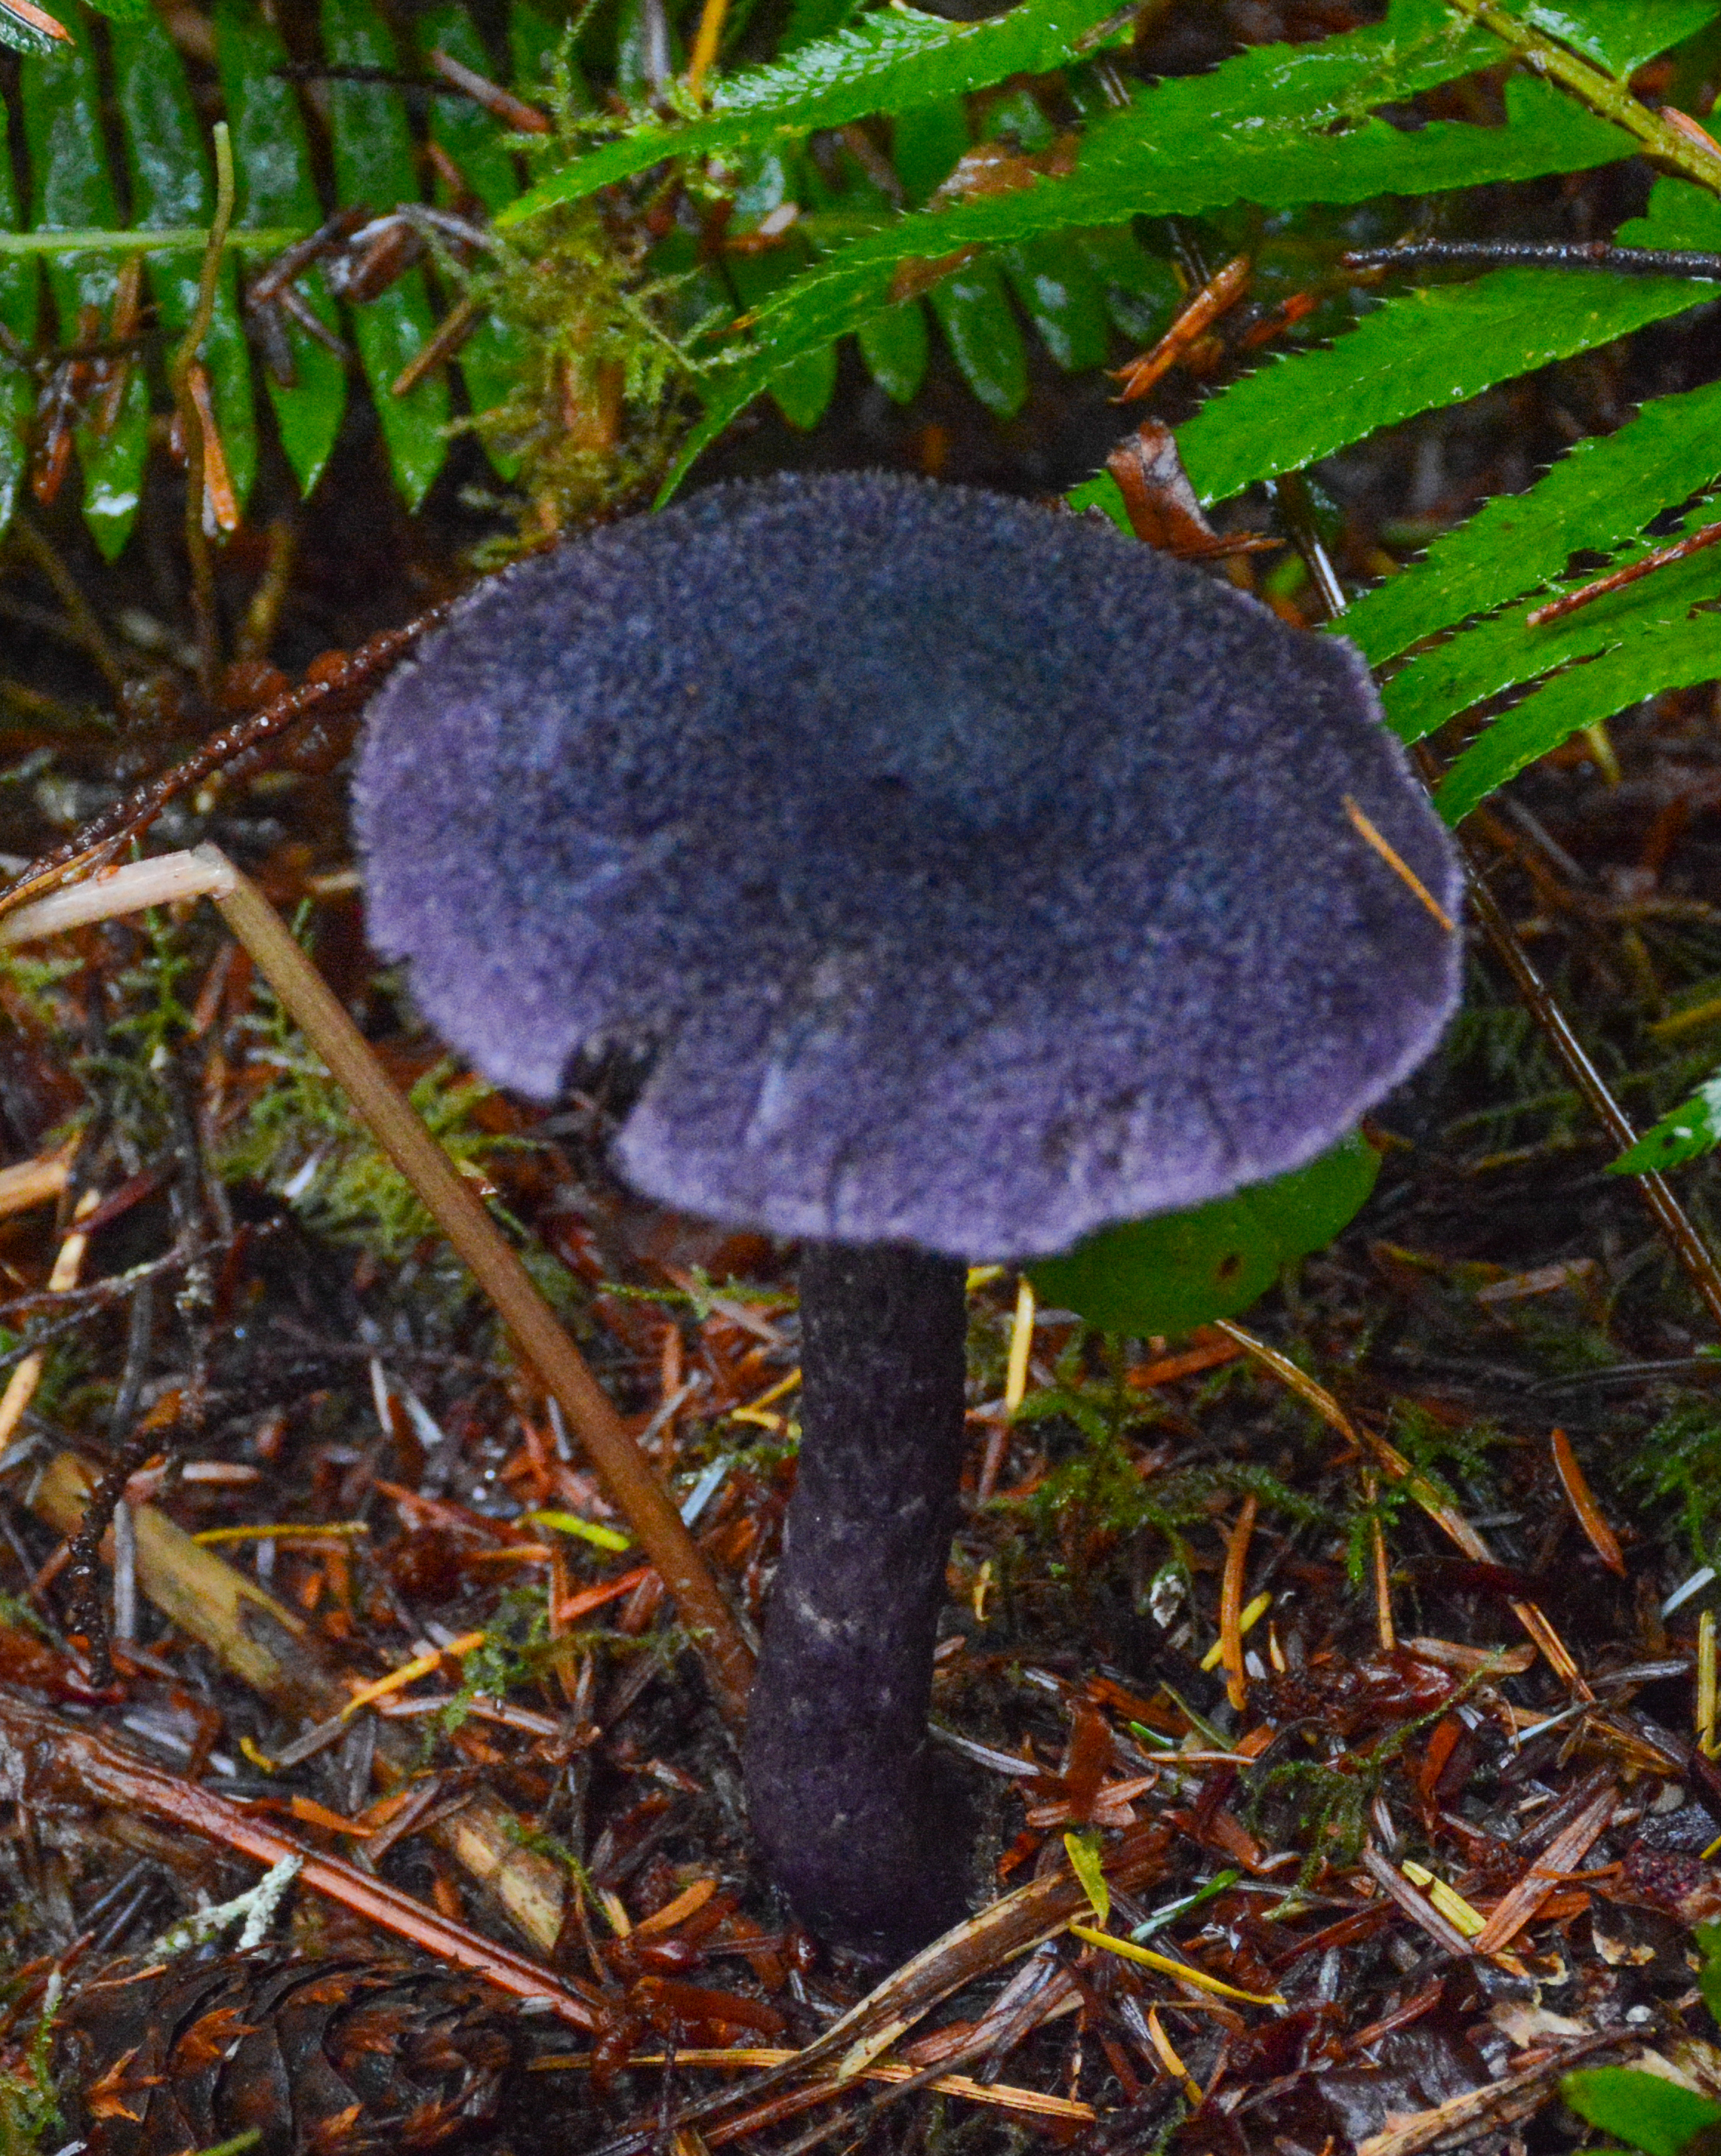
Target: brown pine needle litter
{"x": 1334, "y": 1685}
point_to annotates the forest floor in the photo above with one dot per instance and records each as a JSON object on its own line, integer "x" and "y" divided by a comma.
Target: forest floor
{"x": 1443, "y": 1837}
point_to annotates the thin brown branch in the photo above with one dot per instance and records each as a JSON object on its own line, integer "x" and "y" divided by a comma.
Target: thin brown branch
{"x": 335, "y": 678}
{"x": 59, "y": 1760}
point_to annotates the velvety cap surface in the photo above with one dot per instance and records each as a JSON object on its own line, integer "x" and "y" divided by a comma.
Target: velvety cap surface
{"x": 973, "y": 875}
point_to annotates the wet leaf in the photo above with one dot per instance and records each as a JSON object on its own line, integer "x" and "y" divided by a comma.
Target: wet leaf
{"x": 277, "y": 190}
{"x": 372, "y": 149}
{"x": 974, "y": 310}
{"x": 171, "y": 184}
{"x": 1685, "y": 1133}
{"x": 1177, "y": 1271}
{"x": 1652, "y": 2114}
{"x": 491, "y": 358}
{"x": 1057, "y": 293}
{"x": 20, "y": 295}
{"x": 72, "y": 190}
{"x": 896, "y": 346}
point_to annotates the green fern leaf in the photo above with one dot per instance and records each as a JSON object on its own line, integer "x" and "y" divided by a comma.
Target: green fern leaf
{"x": 1439, "y": 346}
{"x": 1137, "y": 165}
{"x": 171, "y": 184}
{"x": 491, "y": 359}
{"x": 811, "y": 20}
{"x": 1621, "y": 34}
{"x": 887, "y": 62}
{"x": 926, "y": 143}
{"x": 373, "y": 161}
{"x": 973, "y": 309}
{"x": 1055, "y": 290}
{"x": 122, "y": 11}
{"x": 1141, "y": 292}
{"x": 897, "y": 347}
{"x": 1601, "y": 493}
{"x": 1504, "y": 652}
{"x": 74, "y": 191}
{"x": 276, "y": 190}
{"x": 19, "y": 34}
{"x": 803, "y": 392}
{"x": 1655, "y": 655}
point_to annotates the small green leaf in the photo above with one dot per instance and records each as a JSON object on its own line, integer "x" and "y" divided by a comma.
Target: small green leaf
{"x": 1177, "y": 1271}
{"x": 926, "y": 143}
{"x": 888, "y": 61}
{"x": 1087, "y": 1857}
{"x": 810, "y": 20}
{"x": 1621, "y": 34}
{"x": 803, "y": 392}
{"x": 20, "y": 295}
{"x": 1651, "y": 2113}
{"x": 590, "y": 1530}
{"x": 1606, "y": 490}
{"x": 1054, "y": 290}
{"x": 277, "y": 189}
{"x": 974, "y": 310}
{"x": 171, "y": 184}
{"x": 372, "y": 148}
{"x": 73, "y": 190}
{"x": 1141, "y": 292}
{"x": 1426, "y": 349}
{"x": 896, "y": 346}
{"x": 1685, "y": 1133}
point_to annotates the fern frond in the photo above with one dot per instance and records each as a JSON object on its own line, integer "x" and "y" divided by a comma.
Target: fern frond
{"x": 1163, "y": 156}
{"x": 1440, "y": 345}
{"x": 1600, "y": 494}
{"x": 890, "y": 62}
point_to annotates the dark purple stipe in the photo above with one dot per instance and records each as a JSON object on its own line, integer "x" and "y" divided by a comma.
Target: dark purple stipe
{"x": 858, "y": 1822}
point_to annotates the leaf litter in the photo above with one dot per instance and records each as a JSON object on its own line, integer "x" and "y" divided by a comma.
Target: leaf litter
{"x": 1335, "y": 1690}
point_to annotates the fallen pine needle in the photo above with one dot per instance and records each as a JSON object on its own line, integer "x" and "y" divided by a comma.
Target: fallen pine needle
{"x": 1400, "y": 868}
{"x": 284, "y": 1531}
{"x": 1562, "y": 1855}
{"x": 421, "y": 1665}
{"x": 1573, "y": 1481}
{"x": 1167, "y": 1966}
{"x": 1001, "y": 2094}
{"x": 593, "y": 1598}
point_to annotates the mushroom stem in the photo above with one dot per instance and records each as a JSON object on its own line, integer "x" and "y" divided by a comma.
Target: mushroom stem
{"x": 858, "y": 1825}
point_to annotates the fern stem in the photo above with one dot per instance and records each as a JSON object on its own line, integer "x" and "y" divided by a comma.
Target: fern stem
{"x": 1602, "y": 93}
{"x": 165, "y": 240}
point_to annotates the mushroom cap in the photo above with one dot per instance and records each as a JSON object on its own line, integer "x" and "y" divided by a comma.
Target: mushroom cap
{"x": 971, "y": 875}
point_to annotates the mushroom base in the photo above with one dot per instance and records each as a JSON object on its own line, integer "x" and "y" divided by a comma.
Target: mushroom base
{"x": 862, "y": 1828}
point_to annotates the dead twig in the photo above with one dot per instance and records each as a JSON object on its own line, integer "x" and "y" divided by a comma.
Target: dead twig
{"x": 53, "y": 1757}
{"x": 335, "y": 678}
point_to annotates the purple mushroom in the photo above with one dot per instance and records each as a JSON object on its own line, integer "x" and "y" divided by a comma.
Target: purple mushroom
{"x": 964, "y": 876}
